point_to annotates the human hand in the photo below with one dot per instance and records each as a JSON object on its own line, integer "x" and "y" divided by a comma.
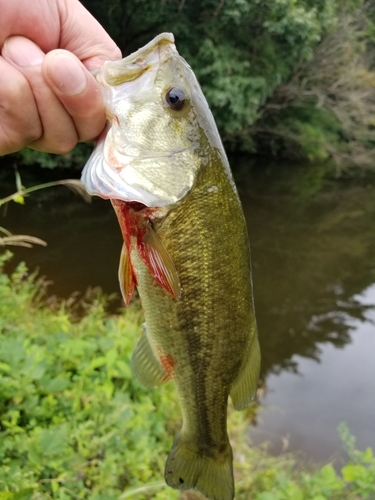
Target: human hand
{"x": 48, "y": 99}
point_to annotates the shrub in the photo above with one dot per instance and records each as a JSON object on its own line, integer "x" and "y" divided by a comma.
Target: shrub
{"x": 75, "y": 424}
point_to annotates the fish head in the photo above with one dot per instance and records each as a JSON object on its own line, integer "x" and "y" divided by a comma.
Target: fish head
{"x": 159, "y": 128}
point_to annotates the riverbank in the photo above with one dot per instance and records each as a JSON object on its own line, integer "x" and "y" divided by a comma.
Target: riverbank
{"x": 76, "y": 424}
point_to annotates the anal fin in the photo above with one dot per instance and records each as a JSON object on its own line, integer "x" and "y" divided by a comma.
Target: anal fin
{"x": 145, "y": 365}
{"x": 244, "y": 387}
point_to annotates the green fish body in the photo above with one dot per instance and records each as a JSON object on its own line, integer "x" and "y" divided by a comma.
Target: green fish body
{"x": 187, "y": 253}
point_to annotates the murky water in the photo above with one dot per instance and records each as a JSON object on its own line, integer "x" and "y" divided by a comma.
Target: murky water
{"x": 313, "y": 253}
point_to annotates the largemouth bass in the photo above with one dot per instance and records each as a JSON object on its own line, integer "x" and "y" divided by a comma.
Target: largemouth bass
{"x": 162, "y": 164}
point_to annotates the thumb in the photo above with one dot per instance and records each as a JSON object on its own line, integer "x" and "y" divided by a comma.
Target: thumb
{"x": 77, "y": 90}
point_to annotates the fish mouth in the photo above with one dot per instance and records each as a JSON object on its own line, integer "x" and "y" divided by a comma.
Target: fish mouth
{"x": 136, "y": 206}
{"x": 130, "y": 68}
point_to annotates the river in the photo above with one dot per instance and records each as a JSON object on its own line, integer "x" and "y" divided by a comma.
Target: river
{"x": 313, "y": 255}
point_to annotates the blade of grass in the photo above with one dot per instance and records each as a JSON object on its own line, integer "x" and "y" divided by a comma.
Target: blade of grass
{"x": 74, "y": 184}
{"x": 21, "y": 240}
{"x": 146, "y": 488}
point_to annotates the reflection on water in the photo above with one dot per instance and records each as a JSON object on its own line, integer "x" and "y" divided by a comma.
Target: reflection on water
{"x": 313, "y": 252}
{"x": 304, "y": 410}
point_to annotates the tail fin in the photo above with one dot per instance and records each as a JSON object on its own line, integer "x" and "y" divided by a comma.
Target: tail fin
{"x": 187, "y": 468}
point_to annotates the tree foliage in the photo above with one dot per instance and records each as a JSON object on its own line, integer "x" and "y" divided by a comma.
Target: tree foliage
{"x": 240, "y": 50}
{"x": 283, "y": 77}
{"x": 327, "y": 106}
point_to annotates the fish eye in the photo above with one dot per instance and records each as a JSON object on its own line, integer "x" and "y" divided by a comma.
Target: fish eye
{"x": 175, "y": 98}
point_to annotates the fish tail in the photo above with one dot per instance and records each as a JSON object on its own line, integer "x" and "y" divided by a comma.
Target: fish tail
{"x": 187, "y": 468}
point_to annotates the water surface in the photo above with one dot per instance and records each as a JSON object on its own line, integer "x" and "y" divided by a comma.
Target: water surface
{"x": 313, "y": 254}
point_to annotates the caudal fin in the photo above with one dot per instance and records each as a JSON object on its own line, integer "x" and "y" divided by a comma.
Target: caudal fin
{"x": 187, "y": 468}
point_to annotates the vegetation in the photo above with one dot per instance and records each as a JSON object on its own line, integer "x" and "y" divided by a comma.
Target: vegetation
{"x": 326, "y": 107}
{"x": 288, "y": 78}
{"x": 23, "y": 240}
{"x": 74, "y": 424}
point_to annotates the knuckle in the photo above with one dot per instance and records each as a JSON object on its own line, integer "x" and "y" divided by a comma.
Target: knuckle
{"x": 68, "y": 142}
{"x": 61, "y": 146}
{"x": 9, "y": 143}
{"x": 65, "y": 147}
{"x": 13, "y": 140}
{"x": 19, "y": 119}
{"x": 32, "y": 134}
{"x": 12, "y": 93}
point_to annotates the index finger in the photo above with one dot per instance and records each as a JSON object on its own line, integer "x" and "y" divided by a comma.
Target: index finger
{"x": 82, "y": 35}
{"x": 56, "y": 24}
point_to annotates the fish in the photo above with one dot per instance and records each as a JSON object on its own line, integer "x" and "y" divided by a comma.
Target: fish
{"x": 162, "y": 164}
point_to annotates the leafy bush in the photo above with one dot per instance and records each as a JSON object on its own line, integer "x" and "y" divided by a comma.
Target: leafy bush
{"x": 326, "y": 108}
{"x": 75, "y": 424}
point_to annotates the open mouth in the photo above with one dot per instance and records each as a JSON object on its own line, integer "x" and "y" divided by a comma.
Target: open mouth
{"x": 136, "y": 205}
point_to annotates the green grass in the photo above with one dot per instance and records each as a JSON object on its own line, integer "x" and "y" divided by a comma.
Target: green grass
{"x": 75, "y": 424}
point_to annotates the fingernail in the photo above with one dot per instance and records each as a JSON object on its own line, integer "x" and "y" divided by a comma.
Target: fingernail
{"x": 22, "y": 51}
{"x": 67, "y": 74}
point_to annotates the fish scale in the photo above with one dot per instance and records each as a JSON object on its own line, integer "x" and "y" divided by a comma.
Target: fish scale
{"x": 202, "y": 331}
{"x": 185, "y": 248}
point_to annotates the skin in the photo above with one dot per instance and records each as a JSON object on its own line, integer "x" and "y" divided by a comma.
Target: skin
{"x": 49, "y": 101}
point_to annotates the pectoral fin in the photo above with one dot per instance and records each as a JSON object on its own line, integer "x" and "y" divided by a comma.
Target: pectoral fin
{"x": 159, "y": 262}
{"x": 244, "y": 387}
{"x": 125, "y": 275}
{"x": 145, "y": 365}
